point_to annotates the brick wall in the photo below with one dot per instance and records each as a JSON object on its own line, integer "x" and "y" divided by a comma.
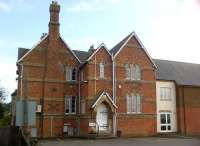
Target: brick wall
{"x": 133, "y": 124}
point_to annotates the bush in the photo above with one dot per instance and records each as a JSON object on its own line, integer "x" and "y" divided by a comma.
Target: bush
{"x": 5, "y": 121}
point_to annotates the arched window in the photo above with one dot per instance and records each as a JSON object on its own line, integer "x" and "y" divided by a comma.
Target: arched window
{"x": 138, "y": 72}
{"x": 101, "y": 70}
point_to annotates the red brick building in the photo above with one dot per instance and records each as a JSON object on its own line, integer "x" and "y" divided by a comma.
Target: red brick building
{"x": 98, "y": 92}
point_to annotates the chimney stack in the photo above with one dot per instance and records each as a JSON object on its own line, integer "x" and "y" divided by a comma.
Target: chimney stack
{"x": 54, "y": 20}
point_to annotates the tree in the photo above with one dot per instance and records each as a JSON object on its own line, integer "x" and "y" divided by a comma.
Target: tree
{"x": 3, "y": 94}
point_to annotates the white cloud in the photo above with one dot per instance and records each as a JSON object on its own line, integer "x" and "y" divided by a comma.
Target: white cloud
{"x": 7, "y": 74}
{"x": 175, "y": 34}
{"x": 4, "y": 6}
{"x": 91, "y": 5}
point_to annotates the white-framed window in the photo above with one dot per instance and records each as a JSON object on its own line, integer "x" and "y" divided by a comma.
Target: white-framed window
{"x": 70, "y": 105}
{"x": 133, "y": 103}
{"x": 133, "y": 72}
{"x": 165, "y": 122}
{"x": 71, "y": 73}
{"x": 165, "y": 93}
{"x": 83, "y": 106}
{"x": 101, "y": 70}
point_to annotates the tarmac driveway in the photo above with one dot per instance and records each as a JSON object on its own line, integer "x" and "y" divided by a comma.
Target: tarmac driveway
{"x": 123, "y": 142}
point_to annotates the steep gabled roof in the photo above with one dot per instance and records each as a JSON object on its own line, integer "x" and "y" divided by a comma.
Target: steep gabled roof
{"x": 117, "y": 48}
{"x": 180, "y": 72}
{"x": 98, "y": 48}
{"x": 22, "y": 52}
{"x": 82, "y": 55}
{"x": 30, "y": 50}
{"x": 98, "y": 98}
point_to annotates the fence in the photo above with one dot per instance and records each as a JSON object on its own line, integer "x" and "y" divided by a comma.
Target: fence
{"x": 11, "y": 136}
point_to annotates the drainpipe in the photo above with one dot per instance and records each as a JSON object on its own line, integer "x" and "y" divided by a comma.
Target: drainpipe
{"x": 43, "y": 92}
{"x": 21, "y": 76}
{"x": 79, "y": 98}
{"x": 95, "y": 75}
{"x": 184, "y": 111}
{"x": 114, "y": 97}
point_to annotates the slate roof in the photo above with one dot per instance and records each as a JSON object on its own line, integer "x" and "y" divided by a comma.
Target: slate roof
{"x": 22, "y": 52}
{"x": 82, "y": 55}
{"x": 181, "y": 72}
{"x": 116, "y": 48}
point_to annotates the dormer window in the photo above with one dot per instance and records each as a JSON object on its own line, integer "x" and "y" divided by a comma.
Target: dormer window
{"x": 101, "y": 70}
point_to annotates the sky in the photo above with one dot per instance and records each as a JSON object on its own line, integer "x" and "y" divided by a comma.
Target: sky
{"x": 169, "y": 29}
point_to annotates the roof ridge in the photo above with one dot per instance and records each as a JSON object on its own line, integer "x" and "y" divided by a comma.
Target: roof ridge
{"x": 176, "y": 61}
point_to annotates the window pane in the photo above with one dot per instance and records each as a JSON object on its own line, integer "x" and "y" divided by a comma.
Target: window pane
{"x": 134, "y": 103}
{"x": 138, "y": 72}
{"x": 163, "y": 128}
{"x": 168, "y": 119}
{"x": 133, "y": 72}
{"x": 128, "y": 100}
{"x": 68, "y": 73}
{"x": 128, "y": 72}
{"x": 168, "y": 127}
{"x": 138, "y": 103}
{"x": 162, "y": 119}
{"x": 67, "y": 100}
{"x": 74, "y": 74}
{"x": 101, "y": 68}
{"x": 73, "y": 104}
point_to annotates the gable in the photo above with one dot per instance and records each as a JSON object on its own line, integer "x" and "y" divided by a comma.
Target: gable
{"x": 100, "y": 49}
{"x": 34, "y": 51}
{"x": 131, "y": 40}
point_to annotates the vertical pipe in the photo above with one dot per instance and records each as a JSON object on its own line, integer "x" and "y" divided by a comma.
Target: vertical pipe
{"x": 95, "y": 75}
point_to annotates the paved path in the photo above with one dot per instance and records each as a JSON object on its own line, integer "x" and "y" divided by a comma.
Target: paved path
{"x": 123, "y": 142}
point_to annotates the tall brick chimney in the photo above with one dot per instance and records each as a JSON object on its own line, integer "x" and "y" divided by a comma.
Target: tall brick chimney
{"x": 54, "y": 20}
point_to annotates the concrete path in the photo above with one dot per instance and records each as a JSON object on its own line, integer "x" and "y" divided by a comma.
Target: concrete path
{"x": 123, "y": 142}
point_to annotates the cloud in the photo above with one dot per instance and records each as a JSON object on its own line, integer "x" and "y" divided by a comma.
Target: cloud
{"x": 91, "y": 5}
{"x": 4, "y": 7}
{"x": 175, "y": 34}
{"x": 7, "y": 74}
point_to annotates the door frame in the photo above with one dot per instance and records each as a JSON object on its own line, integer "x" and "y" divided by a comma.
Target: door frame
{"x": 99, "y": 114}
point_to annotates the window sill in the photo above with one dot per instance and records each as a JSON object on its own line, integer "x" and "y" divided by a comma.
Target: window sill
{"x": 134, "y": 113}
{"x": 165, "y": 99}
{"x": 69, "y": 114}
{"x": 72, "y": 82}
{"x": 84, "y": 81}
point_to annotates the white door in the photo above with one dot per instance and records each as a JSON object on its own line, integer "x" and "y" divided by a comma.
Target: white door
{"x": 165, "y": 122}
{"x": 102, "y": 117}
